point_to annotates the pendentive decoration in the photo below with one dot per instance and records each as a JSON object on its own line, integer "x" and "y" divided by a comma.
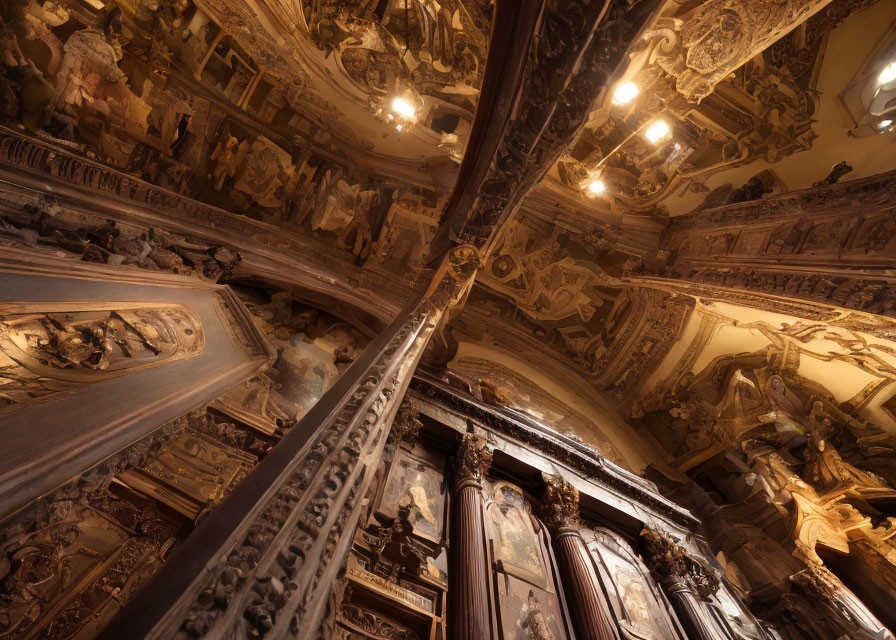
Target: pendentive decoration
{"x": 587, "y": 604}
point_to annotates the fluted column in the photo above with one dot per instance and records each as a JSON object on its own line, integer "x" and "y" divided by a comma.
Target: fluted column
{"x": 589, "y": 608}
{"x": 468, "y": 605}
{"x": 682, "y": 580}
{"x": 850, "y": 615}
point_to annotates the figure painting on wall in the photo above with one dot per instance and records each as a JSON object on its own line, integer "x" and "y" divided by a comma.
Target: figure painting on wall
{"x": 420, "y": 488}
{"x": 516, "y": 544}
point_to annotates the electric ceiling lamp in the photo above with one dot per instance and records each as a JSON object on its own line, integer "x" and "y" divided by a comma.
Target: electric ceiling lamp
{"x": 401, "y": 111}
{"x": 887, "y": 75}
{"x": 402, "y": 107}
{"x": 883, "y": 125}
{"x": 625, "y": 93}
{"x": 657, "y": 131}
{"x": 596, "y": 187}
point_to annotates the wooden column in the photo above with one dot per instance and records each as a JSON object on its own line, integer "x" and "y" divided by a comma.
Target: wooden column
{"x": 841, "y": 608}
{"x": 263, "y": 563}
{"x": 468, "y": 603}
{"x": 588, "y": 607}
{"x": 683, "y": 580}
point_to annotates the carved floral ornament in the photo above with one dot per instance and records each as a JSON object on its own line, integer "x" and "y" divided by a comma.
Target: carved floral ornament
{"x": 473, "y": 458}
{"x": 406, "y": 425}
{"x": 560, "y": 503}
{"x": 671, "y": 563}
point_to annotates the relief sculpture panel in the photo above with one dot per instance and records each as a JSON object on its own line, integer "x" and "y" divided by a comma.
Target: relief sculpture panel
{"x": 190, "y": 473}
{"x": 50, "y": 348}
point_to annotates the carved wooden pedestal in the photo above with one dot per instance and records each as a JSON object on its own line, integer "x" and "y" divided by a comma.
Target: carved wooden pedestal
{"x": 468, "y": 606}
{"x": 581, "y": 585}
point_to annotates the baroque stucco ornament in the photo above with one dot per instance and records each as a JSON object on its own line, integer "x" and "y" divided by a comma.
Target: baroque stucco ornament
{"x": 703, "y": 47}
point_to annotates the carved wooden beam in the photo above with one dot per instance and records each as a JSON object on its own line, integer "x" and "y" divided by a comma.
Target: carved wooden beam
{"x": 830, "y": 246}
{"x": 271, "y": 551}
{"x": 72, "y": 395}
{"x": 548, "y": 62}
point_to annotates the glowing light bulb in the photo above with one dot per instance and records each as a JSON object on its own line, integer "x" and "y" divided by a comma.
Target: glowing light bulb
{"x": 403, "y": 108}
{"x": 625, "y": 93}
{"x": 657, "y": 131}
{"x": 888, "y": 74}
{"x": 884, "y": 124}
{"x": 596, "y": 187}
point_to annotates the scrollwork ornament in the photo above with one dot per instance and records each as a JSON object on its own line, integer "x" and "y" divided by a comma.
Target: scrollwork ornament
{"x": 817, "y": 580}
{"x": 406, "y": 426}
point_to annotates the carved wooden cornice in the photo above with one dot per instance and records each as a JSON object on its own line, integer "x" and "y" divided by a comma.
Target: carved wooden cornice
{"x": 576, "y": 455}
{"x": 94, "y": 189}
{"x": 873, "y": 191}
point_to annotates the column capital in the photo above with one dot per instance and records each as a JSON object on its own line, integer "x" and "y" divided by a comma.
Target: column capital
{"x": 674, "y": 566}
{"x": 560, "y": 504}
{"x": 473, "y": 459}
